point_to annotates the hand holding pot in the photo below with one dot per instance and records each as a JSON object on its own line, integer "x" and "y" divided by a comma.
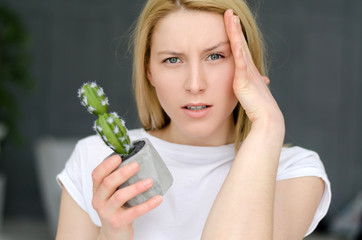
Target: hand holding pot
{"x": 108, "y": 201}
{"x": 113, "y": 132}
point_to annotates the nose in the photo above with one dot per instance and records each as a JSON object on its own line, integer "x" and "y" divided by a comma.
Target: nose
{"x": 195, "y": 82}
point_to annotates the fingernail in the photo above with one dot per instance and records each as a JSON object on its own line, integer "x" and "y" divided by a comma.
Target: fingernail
{"x": 148, "y": 182}
{"x": 133, "y": 165}
{"x": 157, "y": 199}
{"x": 230, "y": 12}
{"x": 116, "y": 159}
{"x": 236, "y": 20}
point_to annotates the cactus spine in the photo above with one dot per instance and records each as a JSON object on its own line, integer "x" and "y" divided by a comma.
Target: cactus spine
{"x": 109, "y": 126}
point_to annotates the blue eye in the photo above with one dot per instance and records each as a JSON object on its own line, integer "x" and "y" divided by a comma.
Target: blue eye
{"x": 171, "y": 60}
{"x": 214, "y": 56}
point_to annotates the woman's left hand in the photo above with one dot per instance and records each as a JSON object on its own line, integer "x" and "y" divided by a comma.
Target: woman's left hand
{"x": 249, "y": 86}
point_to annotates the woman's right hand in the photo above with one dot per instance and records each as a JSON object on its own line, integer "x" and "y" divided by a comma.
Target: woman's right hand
{"x": 108, "y": 201}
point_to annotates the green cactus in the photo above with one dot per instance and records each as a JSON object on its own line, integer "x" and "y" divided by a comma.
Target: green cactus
{"x": 109, "y": 126}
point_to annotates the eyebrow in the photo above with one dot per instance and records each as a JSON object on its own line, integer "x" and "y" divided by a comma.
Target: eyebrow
{"x": 204, "y": 51}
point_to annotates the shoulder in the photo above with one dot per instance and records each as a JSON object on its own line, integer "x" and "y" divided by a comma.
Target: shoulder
{"x": 138, "y": 133}
{"x": 87, "y": 154}
{"x": 296, "y": 153}
{"x": 297, "y": 161}
{"x": 92, "y": 145}
{"x": 90, "y": 141}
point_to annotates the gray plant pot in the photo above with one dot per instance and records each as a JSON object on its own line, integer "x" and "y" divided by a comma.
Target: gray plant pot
{"x": 151, "y": 166}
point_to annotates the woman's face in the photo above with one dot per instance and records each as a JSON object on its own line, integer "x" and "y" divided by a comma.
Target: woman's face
{"x": 192, "y": 69}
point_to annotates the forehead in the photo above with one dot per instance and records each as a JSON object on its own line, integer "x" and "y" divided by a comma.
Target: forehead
{"x": 183, "y": 27}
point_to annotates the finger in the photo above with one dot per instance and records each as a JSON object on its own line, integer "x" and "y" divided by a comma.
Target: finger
{"x": 266, "y": 80}
{"x": 235, "y": 40}
{"x": 242, "y": 46}
{"x": 232, "y": 23}
{"x": 139, "y": 210}
{"x": 239, "y": 35}
{"x": 116, "y": 178}
{"x": 104, "y": 169}
{"x": 125, "y": 216}
{"x": 121, "y": 196}
{"x": 236, "y": 36}
{"x": 228, "y": 15}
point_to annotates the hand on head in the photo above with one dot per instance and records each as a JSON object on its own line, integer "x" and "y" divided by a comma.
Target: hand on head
{"x": 249, "y": 85}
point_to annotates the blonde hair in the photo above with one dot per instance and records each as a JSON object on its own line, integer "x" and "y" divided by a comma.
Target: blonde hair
{"x": 151, "y": 114}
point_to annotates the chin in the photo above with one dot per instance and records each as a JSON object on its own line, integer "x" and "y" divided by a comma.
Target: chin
{"x": 202, "y": 134}
{"x": 205, "y": 132}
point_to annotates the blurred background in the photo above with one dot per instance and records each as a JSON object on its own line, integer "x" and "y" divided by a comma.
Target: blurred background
{"x": 48, "y": 48}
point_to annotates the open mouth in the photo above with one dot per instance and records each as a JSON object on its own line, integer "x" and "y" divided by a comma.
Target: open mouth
{"x": 196, "y": 108}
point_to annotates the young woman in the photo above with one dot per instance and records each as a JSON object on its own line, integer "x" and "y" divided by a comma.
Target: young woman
{"x": 204, "y": 103}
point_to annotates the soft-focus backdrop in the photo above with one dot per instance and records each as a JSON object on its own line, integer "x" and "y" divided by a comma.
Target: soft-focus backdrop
{"x": 315, "y": 57}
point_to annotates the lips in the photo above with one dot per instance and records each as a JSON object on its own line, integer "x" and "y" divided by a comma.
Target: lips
{"x": 197, "y": 111}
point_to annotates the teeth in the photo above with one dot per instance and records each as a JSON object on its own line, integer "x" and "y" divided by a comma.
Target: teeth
{"x": 196, "y": 108}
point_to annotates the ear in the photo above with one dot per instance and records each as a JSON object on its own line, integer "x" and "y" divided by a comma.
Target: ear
{"x": 149, "y": 76}
{"x": 266, "y": 79}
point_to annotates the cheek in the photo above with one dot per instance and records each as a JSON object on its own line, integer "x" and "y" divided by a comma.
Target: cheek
{"x": 165, "y": 83}
{"x": 222, "y": 77}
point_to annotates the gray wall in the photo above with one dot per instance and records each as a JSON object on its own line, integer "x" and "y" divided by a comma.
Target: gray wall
{"x": 315, "y": 55}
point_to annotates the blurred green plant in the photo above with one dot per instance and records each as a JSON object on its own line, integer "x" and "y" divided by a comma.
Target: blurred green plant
{"x": 14, "y": 69}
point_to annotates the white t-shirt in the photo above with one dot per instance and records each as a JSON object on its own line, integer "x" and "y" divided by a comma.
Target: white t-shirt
{"x": 198, "y": 174}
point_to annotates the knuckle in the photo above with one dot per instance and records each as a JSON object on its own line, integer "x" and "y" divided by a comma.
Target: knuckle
{"x": 137, "y": 188}
{"x": 108, "y": 182}
{"x": 95, "y": 204}
{"x": 121, "y": 173}
{"x": 109, "y": 162}
{"x": 241, "y": 65}
{"x": 119, "y": 196}
{"x": 102, "y": 214}
{"x": 95, "y": 175}
{"x": 142, "y": 186}
{"x": 125, "y": 172}
{"x": 149, "y": 205}
{"x": 101, "y": 211}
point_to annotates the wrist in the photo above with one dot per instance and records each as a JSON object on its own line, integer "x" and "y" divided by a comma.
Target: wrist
{"x": 123, "y": 235}
{"x": 272, "y": 127}
{"x": 274, "y": 123}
